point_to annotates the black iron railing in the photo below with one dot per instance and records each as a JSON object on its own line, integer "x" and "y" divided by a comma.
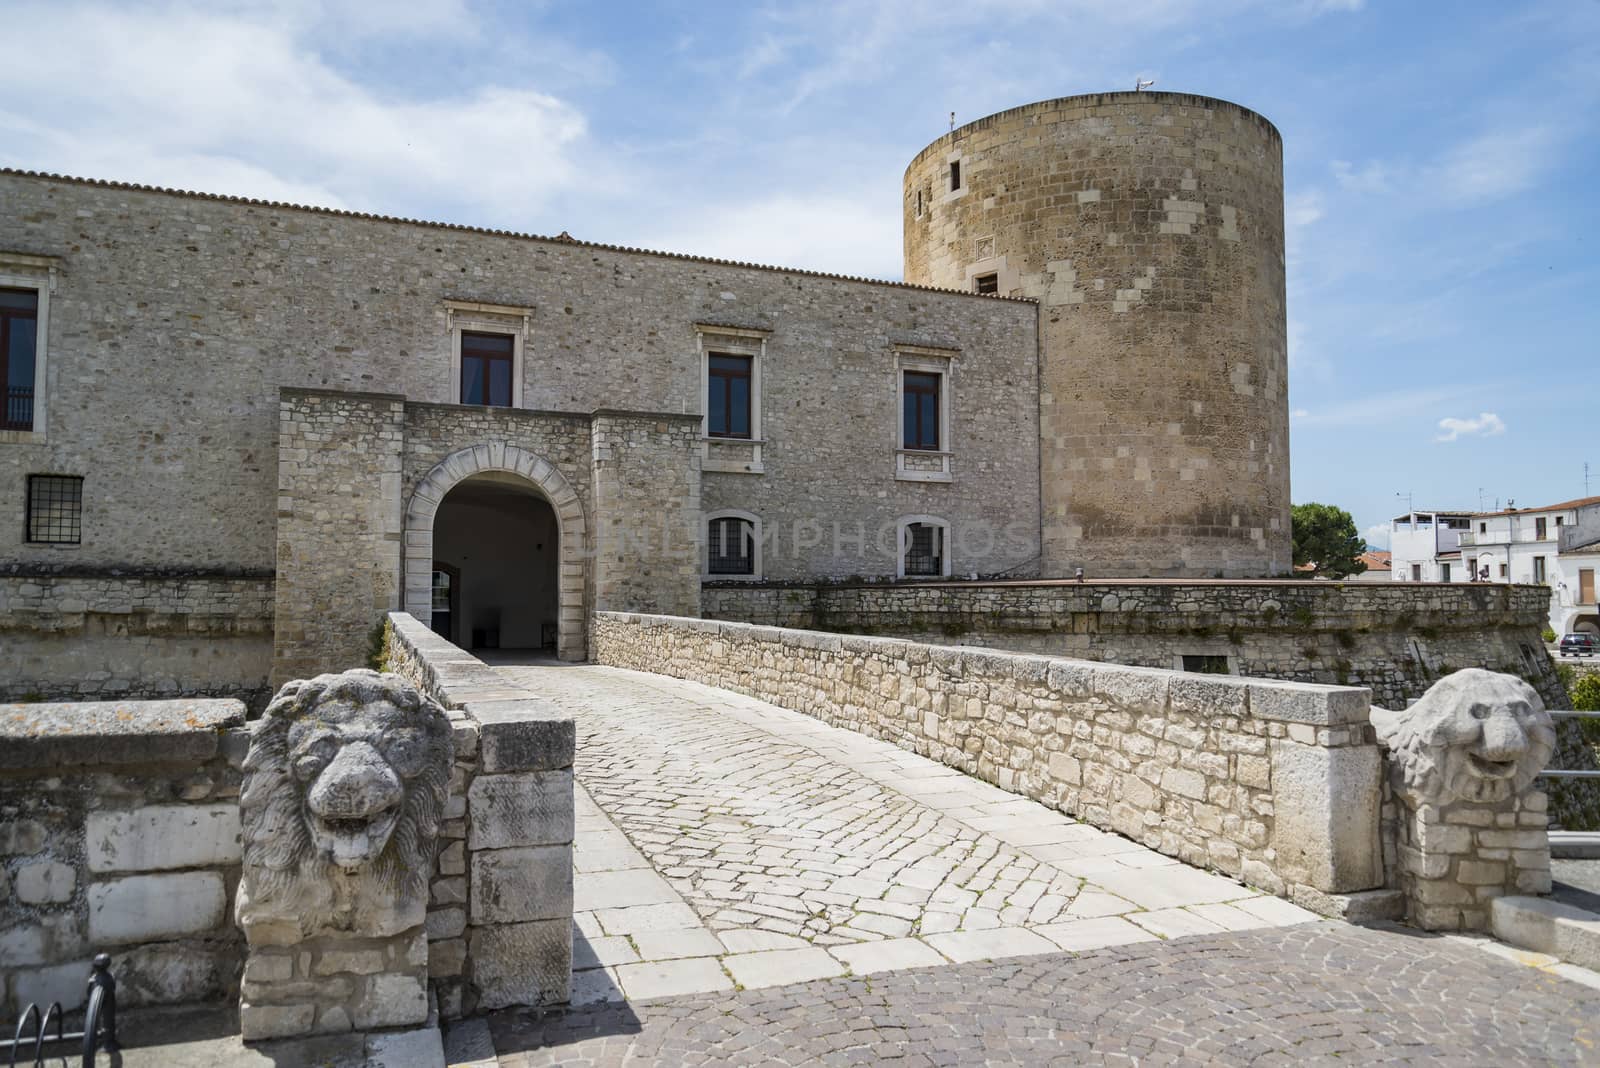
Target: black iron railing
{"x": 18, "y": 412}
{"x": 99, "y": 1021}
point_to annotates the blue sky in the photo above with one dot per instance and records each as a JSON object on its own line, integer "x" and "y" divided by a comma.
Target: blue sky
{"x": 1441, "y": 162}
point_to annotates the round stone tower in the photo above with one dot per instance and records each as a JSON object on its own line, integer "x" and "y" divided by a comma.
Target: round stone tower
{"x": 1149, "y": 227}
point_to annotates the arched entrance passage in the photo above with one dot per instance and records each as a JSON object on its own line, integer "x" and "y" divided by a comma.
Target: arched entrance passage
{"x": 498, "y": 479}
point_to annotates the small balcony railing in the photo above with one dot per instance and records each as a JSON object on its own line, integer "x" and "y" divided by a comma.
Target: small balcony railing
{"x": 18, "y": 410}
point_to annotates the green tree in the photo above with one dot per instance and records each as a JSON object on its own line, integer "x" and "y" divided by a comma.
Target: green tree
{"x": 1325, "y": 536}
{"x": 1586, "y": 693}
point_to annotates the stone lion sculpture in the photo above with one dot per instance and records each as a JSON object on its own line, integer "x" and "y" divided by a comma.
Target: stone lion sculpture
{"x": 344, "y": 784}
{"x": 1474, "y": 736}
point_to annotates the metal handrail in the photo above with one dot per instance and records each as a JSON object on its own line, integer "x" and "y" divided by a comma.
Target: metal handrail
{"x": 1556, "y": 773}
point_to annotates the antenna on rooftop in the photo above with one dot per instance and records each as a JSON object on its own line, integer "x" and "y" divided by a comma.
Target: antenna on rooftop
{"x": 1586, "y": 478}
{"x": 952, "y": 120}
{"x": 1141, "y": 84}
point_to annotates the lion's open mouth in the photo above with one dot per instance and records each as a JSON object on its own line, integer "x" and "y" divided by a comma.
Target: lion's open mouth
{"x": 1491, "y": 769}
{"x": 351, "y": 841}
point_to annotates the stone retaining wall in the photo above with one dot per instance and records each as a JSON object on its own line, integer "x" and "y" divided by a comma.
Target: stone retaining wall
{"x": 1397, "y": 639}
{"x": 1276, "y": 783}
{"x": 500, "y": 918}
{"x": 119, "y": 832}
{"x": 70, "y": 634}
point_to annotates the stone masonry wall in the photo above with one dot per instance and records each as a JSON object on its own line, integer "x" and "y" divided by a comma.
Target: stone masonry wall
{"x": 1149, "y": 226}
{"x": 1274, "y": 783}
{"x": 500, "y": 920}
{"x": 1396, "y": 639}
{"x": 68, "y": 635}
{"x": 119, "y": 833}
{"x": 339, "y": 526}
{"x": 177, "y": 318}
{"x": 647, "y": 491}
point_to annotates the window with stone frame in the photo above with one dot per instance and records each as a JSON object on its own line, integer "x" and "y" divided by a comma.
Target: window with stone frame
{"x": 924, "y": 550}
{"x": 731, "y": 547}
{"x": 986, "y": 283}
{"x": 19, "y": 332}
{"x": 920, "y": 410}
{"x": 55, "y": 509}
{"x": 488, "y": 362}
{"x": 729, "y": 381}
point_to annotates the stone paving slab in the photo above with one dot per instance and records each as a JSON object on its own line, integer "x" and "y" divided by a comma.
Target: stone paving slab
{"x": 1324, "y": 993}
{"x": 771, "y": 848}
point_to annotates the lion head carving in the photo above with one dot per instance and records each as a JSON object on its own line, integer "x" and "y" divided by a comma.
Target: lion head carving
{"x": 344, "y": 784}
{"x": 1474, "y": 736}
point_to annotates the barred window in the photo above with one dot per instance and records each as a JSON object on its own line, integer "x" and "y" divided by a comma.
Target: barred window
{"x": 55, "y": 509}
{"x": 731, "y": 544}
{"x": 924, "y": 549}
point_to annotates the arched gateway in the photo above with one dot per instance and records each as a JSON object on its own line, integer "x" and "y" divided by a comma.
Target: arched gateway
{"x": 501, "y": 464}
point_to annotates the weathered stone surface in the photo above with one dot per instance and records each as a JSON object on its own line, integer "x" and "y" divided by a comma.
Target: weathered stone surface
{"x": 390, "y": 1000}
{"x": 523, "y": 735}
{"x": 122, "y": 732}
{"x": 44, "y": 883}
{"x": 1325, "y": 808}
{"x": 148, "y": 908}
{"x": 372, "y": 758}
{"x": 163, "y": 836}
{"x": 531, "y": 808}
{"x": 520, "y": 884}
{"x": 21, "y": 836}
{"x": 260, "y": 1022}
{"x": 1474, "y": 736}
{"x": 185, "y": 973}
{"x": 521, "y": 963}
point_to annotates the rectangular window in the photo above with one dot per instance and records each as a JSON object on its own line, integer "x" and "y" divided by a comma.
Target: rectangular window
{"x": 731, "y": 547}
{"x": 919, "y": 203}
{"x": 986, "y": 283}
{"x": 1206, "y": 664}
{"x": 1444, "y": 572}
{"x": 1540, "y": 530}
{"x": 728, "y": 396}
{"x": 1586, "y": 585}
{"x": 1416, "y": 572}
{"x": 55, "y": 509}
{"x": 1538, "y": 569}
{"x": 19, "y": 328}
{"x": 486, "y": 361}
{"x": 919, "y": 393}
{"x": 1502, "y": 570}
{"x": 924, "y": 549}
{"x": 1483, "y": 528}
{"x": 955, "y": 175}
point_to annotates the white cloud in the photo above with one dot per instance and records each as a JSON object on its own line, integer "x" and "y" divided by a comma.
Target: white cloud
{"x": 1299, "y": 413}
{"x": 1495, "y": 164}
{"x": 240, "y": 102}
{"x": 1487, "y": 424}
{"x": 844, "y": 235}
{"x": 1372, "y": 178}
{"x": 1377, "y": 534}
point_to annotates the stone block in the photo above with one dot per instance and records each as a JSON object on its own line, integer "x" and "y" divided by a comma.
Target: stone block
{"x": 159, "y": 837}
{"x": 260, "y": 1022}
{"x": 521, "y": 963}
{"x": 446, "y": 923}
{"x": 1325, "y": 826}
{"x": 447, "y": 957}
{"x": 174, "y": 974}
{"x": 523, "y": 735}
{"x": 1304, "y": 702}
{"x": 520, "y": 884}
{"x": 45, "y": 883}
{"x": 390, "y": 999}
{"x": 1209, "y": 695}
{"x": 530, "y": 808}
{"x": 24, "y": 837}
{"x": 149, "y": 908}
{"x": 1065, "y": 769}
{"x": 359, "y": 961}
{"x": 56, "y": 982}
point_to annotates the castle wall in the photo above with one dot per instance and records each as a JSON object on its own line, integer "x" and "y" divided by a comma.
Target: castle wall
{"x": 177, "y": 318}
{"x": 171, "y": 632}
{"x": 1395, "y": 639}
{"x": 1149, "y": 226}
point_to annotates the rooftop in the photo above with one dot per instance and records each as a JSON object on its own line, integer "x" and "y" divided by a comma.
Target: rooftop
{"x": 1564, "y": 506}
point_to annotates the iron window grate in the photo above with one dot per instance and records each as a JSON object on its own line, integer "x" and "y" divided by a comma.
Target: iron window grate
{"x": 55, "y": 509}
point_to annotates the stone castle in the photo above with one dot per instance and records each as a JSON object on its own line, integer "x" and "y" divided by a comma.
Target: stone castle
{"x": 236, "y": 433}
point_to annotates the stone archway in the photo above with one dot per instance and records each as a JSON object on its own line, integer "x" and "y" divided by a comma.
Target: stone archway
{"x": 551, "y": 484}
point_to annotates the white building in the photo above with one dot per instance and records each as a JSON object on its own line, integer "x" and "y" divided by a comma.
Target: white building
{"x": 1556, "y": 546}
{"x": 1424, "y": 546}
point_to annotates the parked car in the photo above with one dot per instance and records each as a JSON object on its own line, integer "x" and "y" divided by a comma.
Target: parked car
{"x": 1579, "y": 645}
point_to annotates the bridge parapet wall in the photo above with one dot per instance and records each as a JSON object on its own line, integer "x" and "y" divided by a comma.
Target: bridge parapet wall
{"x": 1275, "y": 783}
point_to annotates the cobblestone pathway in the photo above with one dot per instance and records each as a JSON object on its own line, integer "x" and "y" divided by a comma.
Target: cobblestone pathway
{"x": 1313, "y": 993}
{"x": 725, "y": 842}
